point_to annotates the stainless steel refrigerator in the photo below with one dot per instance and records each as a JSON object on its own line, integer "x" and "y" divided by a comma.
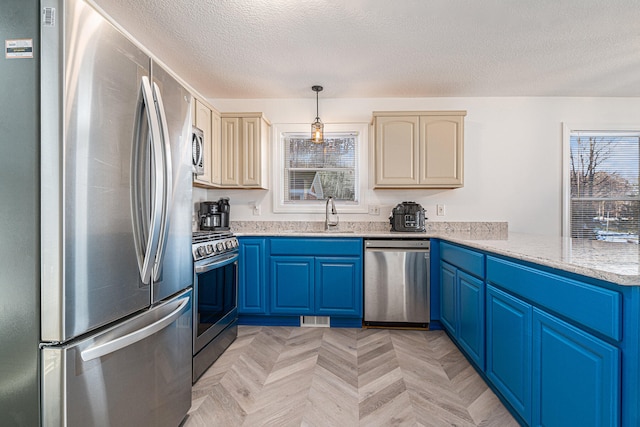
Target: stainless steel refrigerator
{"x": 95, "y": 315}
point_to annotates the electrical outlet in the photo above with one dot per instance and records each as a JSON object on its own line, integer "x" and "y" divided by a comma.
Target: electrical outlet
{"x": 255, "y": 208}
{"x": 440, "y": 210}
{"x": 374, "y": 210}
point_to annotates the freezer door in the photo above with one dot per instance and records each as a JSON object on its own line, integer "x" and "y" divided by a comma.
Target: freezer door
{"x": 173, "y": 268}
{"x": 134, "y": 374}
{"x": 92, "y": 114}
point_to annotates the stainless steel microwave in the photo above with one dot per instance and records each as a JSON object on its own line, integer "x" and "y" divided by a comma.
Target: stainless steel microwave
{"x": 197, "y": 151}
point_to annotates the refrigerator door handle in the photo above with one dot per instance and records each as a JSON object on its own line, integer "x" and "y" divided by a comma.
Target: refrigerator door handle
{"x": 168, "y": 184}
{"x": 146, "y": 254}
{"x": 131, "y": 338}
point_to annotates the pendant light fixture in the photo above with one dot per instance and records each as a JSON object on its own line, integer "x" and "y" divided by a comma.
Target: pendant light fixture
{"x": 317, "y": 128}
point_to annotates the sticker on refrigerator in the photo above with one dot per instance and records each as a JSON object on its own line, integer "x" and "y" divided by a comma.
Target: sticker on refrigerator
{"x": 49, "y": 16}
{"x": 19, "y": 48}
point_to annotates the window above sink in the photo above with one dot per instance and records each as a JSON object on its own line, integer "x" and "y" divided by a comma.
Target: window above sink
{"x": 305, "y": 174}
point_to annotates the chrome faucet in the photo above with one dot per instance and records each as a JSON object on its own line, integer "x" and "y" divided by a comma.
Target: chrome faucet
{"x": 328, "y": 224}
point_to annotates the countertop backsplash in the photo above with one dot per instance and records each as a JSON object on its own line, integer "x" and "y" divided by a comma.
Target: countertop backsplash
{"x": 459, "y": 229}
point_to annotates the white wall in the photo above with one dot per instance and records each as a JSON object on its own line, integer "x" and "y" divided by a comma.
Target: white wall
{"x": 513, "y": 155}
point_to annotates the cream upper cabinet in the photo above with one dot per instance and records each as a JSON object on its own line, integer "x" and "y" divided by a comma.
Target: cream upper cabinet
{"x": 230, "y": 148}
{"x": 245, "y": 150}
{"x": 422, "y": 149}
{"x": 208, "y": 120}
{"x": 216, "y": 148}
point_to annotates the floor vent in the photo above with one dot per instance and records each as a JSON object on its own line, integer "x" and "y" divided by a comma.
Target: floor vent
{"x": 315, "y": 321}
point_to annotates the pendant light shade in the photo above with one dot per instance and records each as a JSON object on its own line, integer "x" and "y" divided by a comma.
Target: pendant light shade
{"x": 317, "y": 128}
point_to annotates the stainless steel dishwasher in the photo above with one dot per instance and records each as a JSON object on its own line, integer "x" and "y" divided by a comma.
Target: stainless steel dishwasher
{"x": 396, "y": 283}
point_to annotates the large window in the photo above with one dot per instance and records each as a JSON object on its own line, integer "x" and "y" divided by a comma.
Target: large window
{"x": 604, "y": 170}
{"x": 308, "y": 173}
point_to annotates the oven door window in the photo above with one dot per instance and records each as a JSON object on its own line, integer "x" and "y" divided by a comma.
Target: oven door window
{"x": 217, "y": 296}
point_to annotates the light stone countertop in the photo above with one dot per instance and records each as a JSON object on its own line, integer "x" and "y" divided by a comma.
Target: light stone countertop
{"x": 613, "y": 262}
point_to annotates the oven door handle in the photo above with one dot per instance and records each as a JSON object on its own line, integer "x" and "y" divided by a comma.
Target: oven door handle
{"x": 219, "y": 262}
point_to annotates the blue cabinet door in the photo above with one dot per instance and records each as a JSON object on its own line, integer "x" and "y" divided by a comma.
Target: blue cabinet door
{"x": 471, "y": 316}
{"x": 338, "y": 286}
{"x": 448, "y": 297}
{"x": 291, "y": 285}
{"x": 252, "y": 284}
{"x": 509, "y": 349}
{"x": 577, "y": 376}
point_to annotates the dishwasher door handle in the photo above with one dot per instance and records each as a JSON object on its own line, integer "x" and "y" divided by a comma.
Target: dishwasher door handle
{"x": 397, "y": 244}
{"x": 397, "y": 249}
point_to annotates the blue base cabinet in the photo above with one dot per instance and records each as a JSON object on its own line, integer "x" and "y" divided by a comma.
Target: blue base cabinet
{"x": 292, "y": 285}
{"x": 448, "y": 298}
{"x": 283, "y": 278}
{"x": 551, "y": 346}
{"x": 556, "y": 347}
{"x": 338, "y": 286}
{"x": 471, "y": 332}
{"x": 509, "y": 349}
{"x": 252, "y": 282}
{"x": 576, "y": 376}
{"x": 316, "y": 276}
{"x": 462, "y": 298}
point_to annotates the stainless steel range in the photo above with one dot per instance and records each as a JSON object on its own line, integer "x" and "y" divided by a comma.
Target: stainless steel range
{"x": 215, "y": 285}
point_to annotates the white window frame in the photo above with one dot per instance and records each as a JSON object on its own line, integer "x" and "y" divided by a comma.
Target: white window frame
{"x": 279, "y": 206}
{"x": 567, "y": 130}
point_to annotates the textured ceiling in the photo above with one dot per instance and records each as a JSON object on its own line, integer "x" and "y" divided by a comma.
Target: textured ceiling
{"x": 392, "y": 48}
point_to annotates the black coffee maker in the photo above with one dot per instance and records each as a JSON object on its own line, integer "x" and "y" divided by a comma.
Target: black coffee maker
{"x": 214, "y": 216}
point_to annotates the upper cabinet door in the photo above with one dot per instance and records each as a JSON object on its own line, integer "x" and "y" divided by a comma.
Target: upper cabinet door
{"x": 216, "y": 148}
{"x": 251, "y": 151}
{"x": 441, "y": 151}
{"x": 396, "y": 150}
{"x": 230, "y": 151}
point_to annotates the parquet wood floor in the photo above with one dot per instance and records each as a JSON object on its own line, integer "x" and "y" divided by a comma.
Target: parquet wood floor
{"x": 283, "y": 376}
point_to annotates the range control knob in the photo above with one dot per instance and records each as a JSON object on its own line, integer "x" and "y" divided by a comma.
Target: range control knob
{"x": 209, "y": 249}
{"x": 228, "y": 243}
{"x": 220, "y": 246}
{"x": 202, "y": 251}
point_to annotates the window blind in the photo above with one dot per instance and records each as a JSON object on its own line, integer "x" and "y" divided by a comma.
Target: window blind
{"x": 605, "y": 185}
{"x": 316, "y": 171}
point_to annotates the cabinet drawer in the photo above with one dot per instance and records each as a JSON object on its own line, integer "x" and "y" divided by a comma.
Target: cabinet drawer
{"x": 316, "y": 246}
{"x": 470, "y": 261}
{"x": 596, "y": 308}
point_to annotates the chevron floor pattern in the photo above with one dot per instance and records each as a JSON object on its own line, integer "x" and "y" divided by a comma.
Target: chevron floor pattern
{"x": 283, "y": 376}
